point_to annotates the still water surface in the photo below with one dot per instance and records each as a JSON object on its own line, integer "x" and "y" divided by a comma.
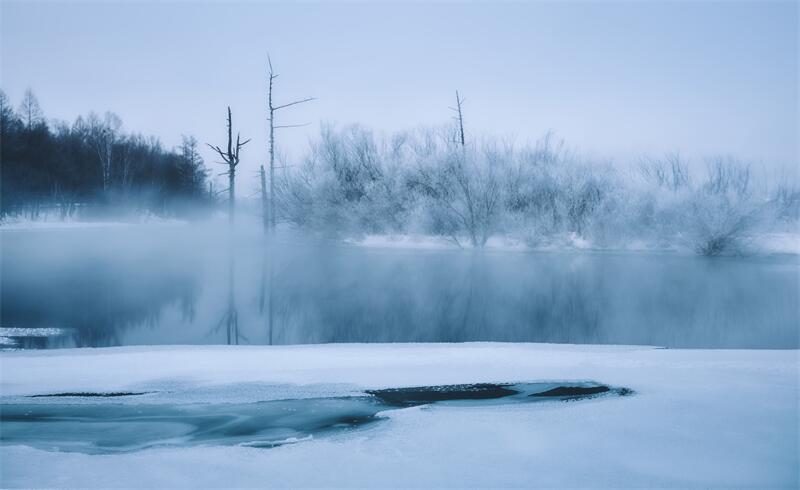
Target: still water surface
{"x": 181, "y": 285}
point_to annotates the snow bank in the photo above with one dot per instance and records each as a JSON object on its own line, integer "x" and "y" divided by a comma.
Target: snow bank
{"x": 699, "y": 418}
{"x": 430, "y": 242}
{"x": 785, "y": 243}
{"x": 769, "y": 243}
{"x": 419, "y": 242}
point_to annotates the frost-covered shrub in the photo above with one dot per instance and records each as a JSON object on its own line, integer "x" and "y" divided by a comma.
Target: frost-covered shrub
{"x": 460, "y": 189}
{"x": 553, "y": 197}
{"x": 785, "y": 201}
{"x": 347, "y": 184}
{"x": 662, "y": 188}
{"x": 352, "y": 183}
{"x": 723, "y": 209}
{"x": 713, "y": 215}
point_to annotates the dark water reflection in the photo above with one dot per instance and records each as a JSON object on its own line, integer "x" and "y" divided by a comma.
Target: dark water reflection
{"x": 170, "y": 284}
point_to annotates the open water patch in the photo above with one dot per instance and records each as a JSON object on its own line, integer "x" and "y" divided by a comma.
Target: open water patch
{"x": 109, "y": 425}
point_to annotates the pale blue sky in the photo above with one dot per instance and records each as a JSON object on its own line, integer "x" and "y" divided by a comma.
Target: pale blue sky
{"x": 614, "y": 79}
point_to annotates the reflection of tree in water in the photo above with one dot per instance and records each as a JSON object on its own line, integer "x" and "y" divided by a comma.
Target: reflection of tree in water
{"x": 95, "y": 301}
{"x": 230, "y": 318}
{"x": 476, "y": 298}
{"x": 567, "y": 310}
{"x": 355, "y": 296}
{"x": 281, "y": 296}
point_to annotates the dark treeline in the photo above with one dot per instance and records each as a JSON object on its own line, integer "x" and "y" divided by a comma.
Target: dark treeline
{"x": 92, "y": 166}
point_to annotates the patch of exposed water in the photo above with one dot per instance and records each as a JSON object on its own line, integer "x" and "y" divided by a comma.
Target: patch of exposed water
{"x": 102, "y": 423}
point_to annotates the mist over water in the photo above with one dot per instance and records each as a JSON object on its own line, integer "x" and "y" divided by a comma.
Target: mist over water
{"x": 170, "y": 284}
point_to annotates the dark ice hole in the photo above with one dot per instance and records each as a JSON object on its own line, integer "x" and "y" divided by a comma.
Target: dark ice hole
{"x": 573, "y": 391}
{"x": 113, "y": 427}
{"x": 430, "y": 394}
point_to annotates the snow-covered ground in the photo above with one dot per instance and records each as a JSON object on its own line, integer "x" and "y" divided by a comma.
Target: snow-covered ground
{"x": 768, "y": 243}
{"x": 783, "y": 242}
{"x": 429, "y": 242}
{"x": 788, "y": 243}
{"x": 699, "y": 418}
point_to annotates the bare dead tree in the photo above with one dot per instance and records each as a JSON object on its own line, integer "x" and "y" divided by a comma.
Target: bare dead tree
{"x": 264, "y": 206}
{"x": 230, "y": 157}
{"x": 272, "y": 127}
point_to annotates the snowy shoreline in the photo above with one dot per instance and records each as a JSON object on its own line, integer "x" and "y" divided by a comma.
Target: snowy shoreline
{"x": 698, "y": 418}
{"x": 785, "y": 242}
{"x": 768, "y": 243}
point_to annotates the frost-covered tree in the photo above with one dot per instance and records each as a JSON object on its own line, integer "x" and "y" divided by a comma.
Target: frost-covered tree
{"x": 463, "y": 190}
{"x": 353, "y": 182}
{"x": 723, "y": 210}
{"x": 714, "y": 213}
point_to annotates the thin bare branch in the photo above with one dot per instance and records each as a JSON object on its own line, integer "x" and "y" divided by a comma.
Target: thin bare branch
{"x": 307, "y": 99}
{"x": 292, "y": 126}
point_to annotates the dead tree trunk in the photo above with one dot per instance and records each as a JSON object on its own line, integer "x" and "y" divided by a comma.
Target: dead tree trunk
{"x": 272, "y": 127}
{"x": 271, "y": 119}
{"x": 264, "y": 203}
{"x": 271, "y": 300}
{"x": 230, "y": 157}
{"x": 460, "y": 119}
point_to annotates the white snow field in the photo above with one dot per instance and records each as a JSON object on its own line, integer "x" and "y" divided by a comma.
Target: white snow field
{"x": 699, "y": 418}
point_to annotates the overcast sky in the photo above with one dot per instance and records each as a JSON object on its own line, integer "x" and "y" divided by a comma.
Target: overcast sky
{"x": 614, "y": 79}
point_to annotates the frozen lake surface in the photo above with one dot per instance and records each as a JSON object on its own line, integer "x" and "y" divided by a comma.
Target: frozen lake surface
{"x": 698, "y": 418}
{"x": 130, "y": 285}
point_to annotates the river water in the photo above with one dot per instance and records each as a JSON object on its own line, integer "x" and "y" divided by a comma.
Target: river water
{"x": 195, "y": 284}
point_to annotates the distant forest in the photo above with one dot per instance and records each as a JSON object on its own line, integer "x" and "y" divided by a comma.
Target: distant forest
{"x": 92, "y": 164}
